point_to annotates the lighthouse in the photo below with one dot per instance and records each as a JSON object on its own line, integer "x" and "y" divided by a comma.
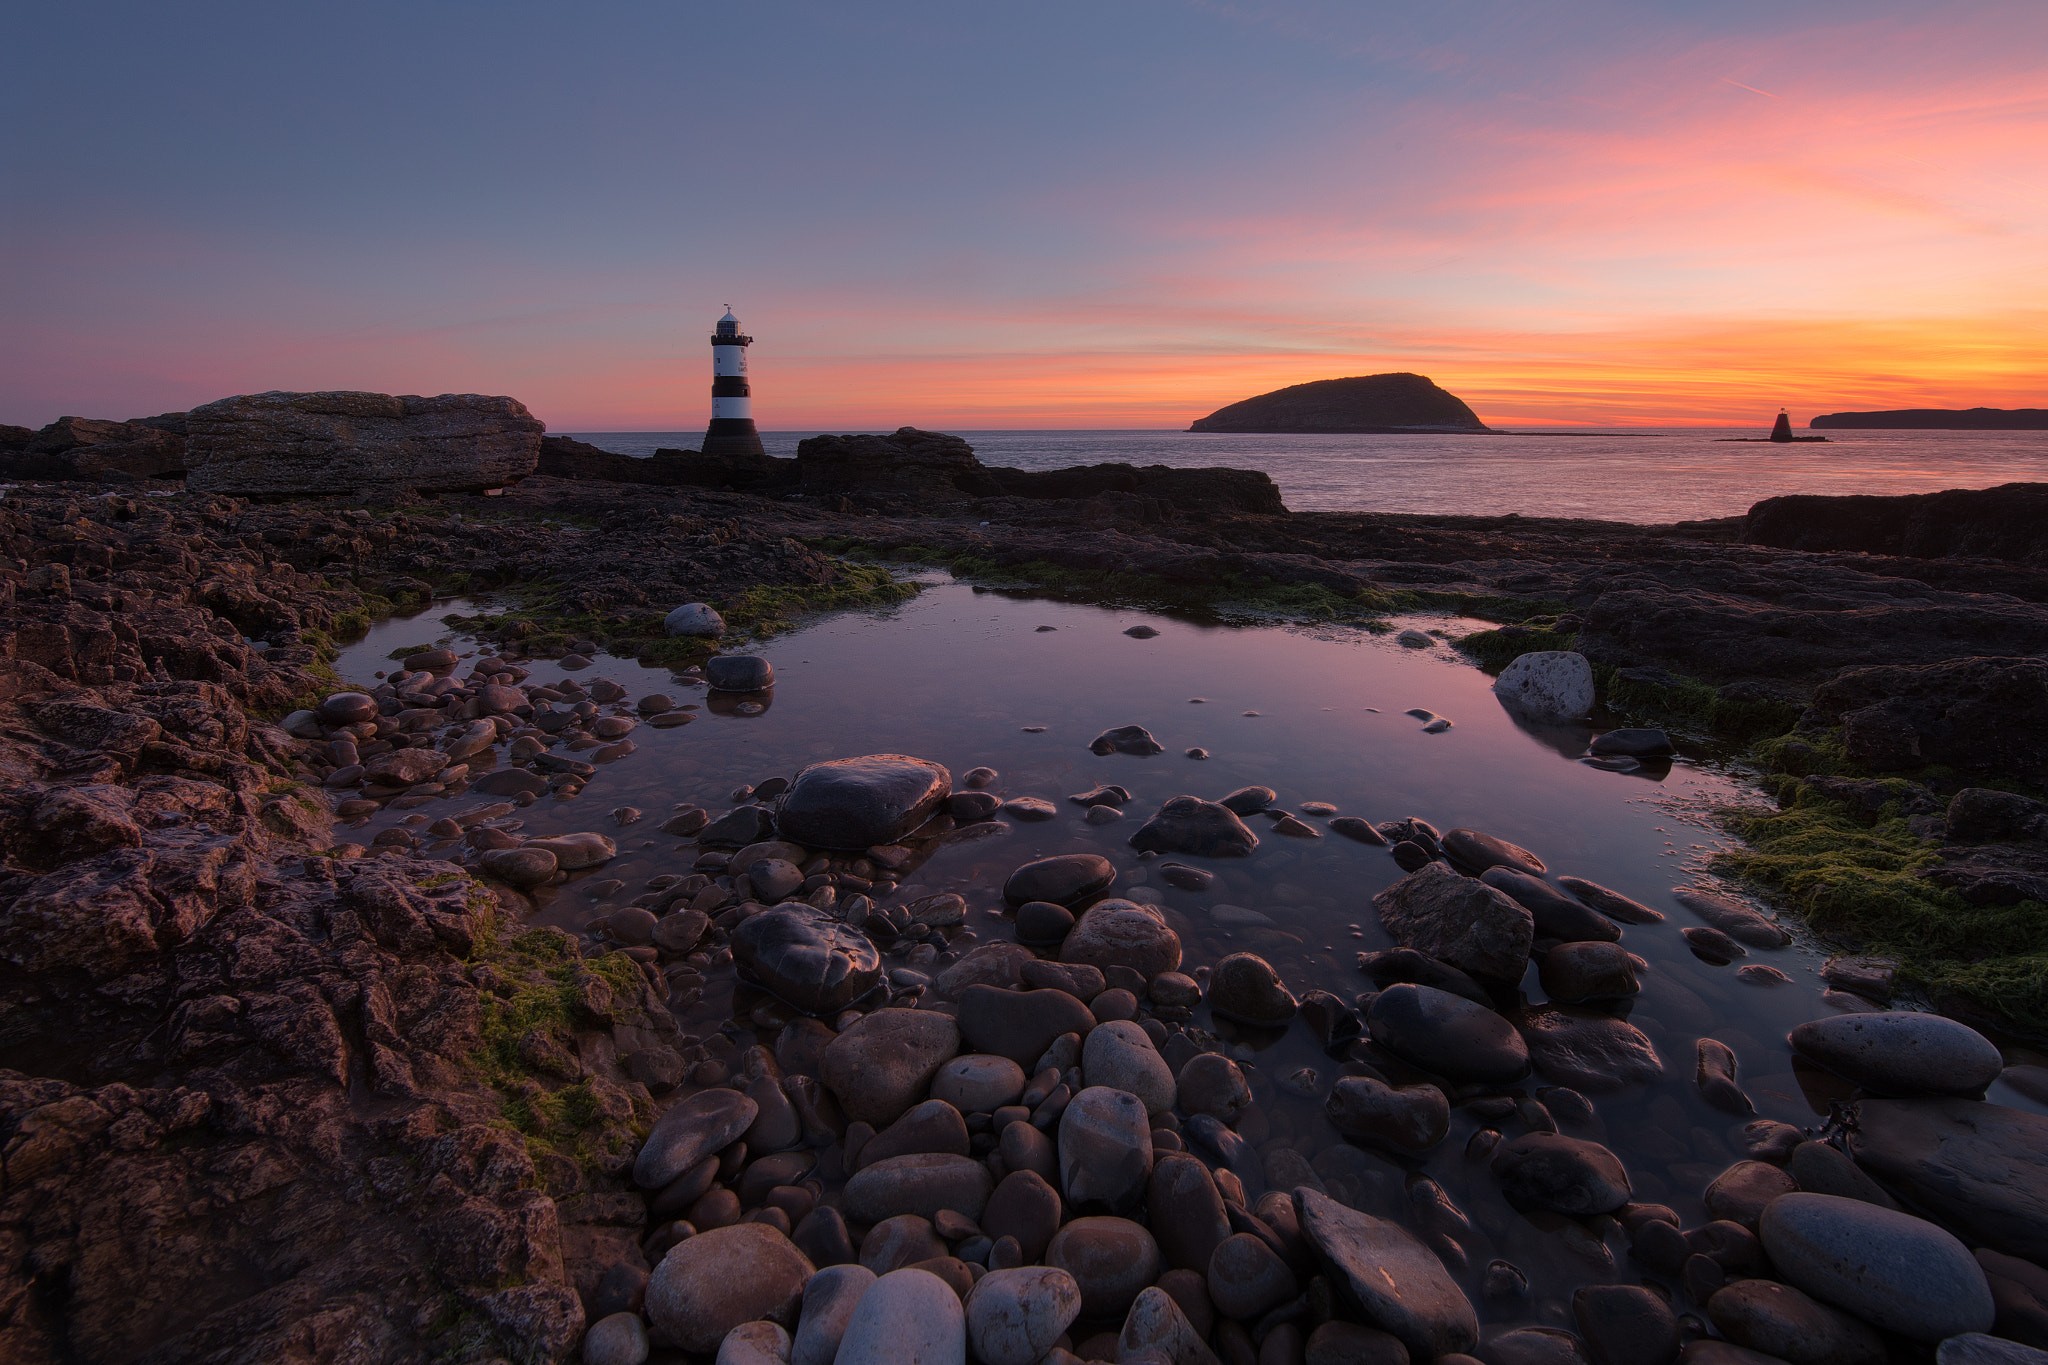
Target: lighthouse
{"x": 732, "y": 410}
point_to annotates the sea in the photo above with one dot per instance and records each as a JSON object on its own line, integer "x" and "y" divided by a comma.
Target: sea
{"x": 1649, "y": 476}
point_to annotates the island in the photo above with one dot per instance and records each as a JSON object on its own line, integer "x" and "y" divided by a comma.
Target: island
{"x": 1938, "y": 419}
{"x": 1370, "y": 403}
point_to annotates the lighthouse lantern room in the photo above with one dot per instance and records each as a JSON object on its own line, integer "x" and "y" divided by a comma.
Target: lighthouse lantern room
{"x": 732, "y": 408}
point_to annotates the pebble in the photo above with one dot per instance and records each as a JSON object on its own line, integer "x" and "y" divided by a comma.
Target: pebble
{"x": 694, "y": 618}
{"x": 1741, "y": 1193}
{"x": 1976, "y": 1348}
{"x": 1024, "y": 1208}
{"x": 1482, "y": 851}
{"x": 1638, "y": 743}
{"x": 1901, "y": 1052}
{"x": 739, "y": 673}
{"x": 1126, "y": 739}
{"x": 1019, "y": 1025}
{"x": 1196, "y": 828}
{"x": 1738, "y": 921}
{"x": 906, "y": 1239}
{"x": 619, "y": 1339}
{"x": 829, "y": 1300}
{"x": 860, "y": 803}
{"x": 752, "y": 1343}
{"x": 883, "y": 1063}
{"x": 1156, "y": 1328}
{"x": 712, "y": 1282}
{"x": 1064, "y": 879}
{"x": 978, "y": 1083}
{"x": 700, "y": 1126}
{"x": 922, "y": 1183}
{"x": 1447, "y": 1035}
{"x": 1186, "y": 1211}
{"x": 807, "y": 958}
{"x": 1141, "y": 632}
{"x": 1899, "y": 1272}
{"x": 1575, "y": 972}
{"x": 1786, "y": 1324}
{"x": 574, "y": 852}
{"x": 1210, "y": 1083}
{"x": 907, "y": 1317}
{"x": 1123, "y": 933}
{"x": 518, "y": 866}
{"x": 1556, "y": 915}
{"x": 1716, "y": 1078}
{"x": 1587, "y": 1050}
{"x": 1110, "y": 1260}
{"x": 1015, "y": 1316}
{"x": 1410, "y": 1119}
{"x": 1624, "y": 1324}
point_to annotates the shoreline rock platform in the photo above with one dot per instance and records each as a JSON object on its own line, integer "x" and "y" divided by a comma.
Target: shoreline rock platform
{"x": 269, "y": 1094}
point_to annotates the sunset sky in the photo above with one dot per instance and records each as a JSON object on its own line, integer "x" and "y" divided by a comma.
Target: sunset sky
{"x": 1122, "y": 213}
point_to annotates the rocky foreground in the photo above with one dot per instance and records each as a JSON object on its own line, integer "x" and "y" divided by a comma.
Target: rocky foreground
{"x": 275, "y": 1095}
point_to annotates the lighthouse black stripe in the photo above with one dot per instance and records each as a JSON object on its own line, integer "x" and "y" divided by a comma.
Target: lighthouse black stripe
{"x": 729, "y": 386}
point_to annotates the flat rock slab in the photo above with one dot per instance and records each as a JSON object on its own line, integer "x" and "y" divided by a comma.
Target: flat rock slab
{"x": 859, "y": 803}
{"x": 1396, "y": 1280}
{"x": 1982, "y": 1167}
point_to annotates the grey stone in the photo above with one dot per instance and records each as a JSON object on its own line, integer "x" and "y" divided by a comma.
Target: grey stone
{"x": 618, "y": 1339}
{"x": 1785, "y": 1324}
{"x": 1246, "y": 1279}
{"x": 1409, "y": 1119}
{"x": 320, "y": 444}
{"x": 694, "y": 618}
{"x": 1105, "y": 1148}
{"x": 881, "y": 1065}
{"x": 1556, "y": 915}
{"x": 1063, "y": 879}
{"x": 829, "y": 1300}
{"x": 1210, "y": 1083}
{"x": 1111, "y": 1260}
{"x": 754, "y": 1343}
{"x": 1019, "y": 1025}
{"x": 922, "y": 1183}
{"x": 907, "y": 1317}
{"x": 1549, "y": 684}
{"x": 1889, "y": 1268}
{"x": 1587, "y": 1050}
{"x": 1561, "y": 1174}
{"x": 1156, "y": 1324}
{"x": 1901, "y": 1052}
{"x": 1120, "y": 1056}
{"x": 1977, "y": 1348}
{"x": 711, "y": 1283}
{"x": 807, "y": 958}
{"x": 1244, "y": 987}
{"x": 1121, "y": 933}
{"x": 1398, "y": 1282}
{"x": 1479, "y": 852}
{"x": 859, "y": 803}
{"x": 1193, "y": 827}
{"x": 1015, "y": 1316}
{"x": 701, "y": 1126}
{"x": 1447, "y": 1035}
{"x": 1612, "y": 904}
{"x": 1640, "y": 743}
{"x": 1732, "y": 918}
{"x": 739, "y": 673}
{"x": 1458, "y": 920}
{"x": 978, "y": 1082}
{"x": 1127, "y": 739}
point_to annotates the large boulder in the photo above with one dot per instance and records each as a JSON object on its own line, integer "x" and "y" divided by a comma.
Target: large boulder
{"x": 315, "y": 444}
{"x": 854, "y": 803}
{"x": 807, "y": 958}
{"x": 87, "y": 448}
{"x": 1549, "y": 684}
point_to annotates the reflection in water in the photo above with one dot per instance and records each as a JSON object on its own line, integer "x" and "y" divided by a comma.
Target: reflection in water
{"x": 969, "y": 679}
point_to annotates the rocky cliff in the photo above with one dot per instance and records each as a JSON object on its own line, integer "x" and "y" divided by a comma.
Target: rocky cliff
{"x": 311, "y": 444}
{"x": 1364, "y": 403}
{"x": 95, "y": 449}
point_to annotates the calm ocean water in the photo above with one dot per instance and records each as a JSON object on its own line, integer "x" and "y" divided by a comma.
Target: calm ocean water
{"x": 1617, "y": 474}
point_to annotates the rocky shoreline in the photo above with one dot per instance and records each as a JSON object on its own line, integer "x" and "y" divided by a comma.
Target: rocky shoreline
{"x": 271, "y": 1094}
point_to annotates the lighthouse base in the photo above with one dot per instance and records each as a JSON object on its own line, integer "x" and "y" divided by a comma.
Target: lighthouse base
{"x": 733, "y": 436}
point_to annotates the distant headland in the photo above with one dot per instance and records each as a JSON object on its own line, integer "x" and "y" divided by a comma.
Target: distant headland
{"x": 1371, "y": 403}
{"x": 1940, "y": 419}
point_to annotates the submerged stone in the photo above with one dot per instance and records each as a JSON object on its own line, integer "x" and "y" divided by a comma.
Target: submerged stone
{"x": 859, "y": 803}
{"x": 807, "y": 958}
{"x": 1195, "y": 828}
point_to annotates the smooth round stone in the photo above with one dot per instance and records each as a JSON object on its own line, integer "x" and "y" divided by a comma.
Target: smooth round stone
{"x": 1197, "y": 828}
{"x": 1732, "y": 917}
{"x": 1887, "y": 1267}
{"x": 1024, "y": 1207}
{"x": 1210, "y": 1083}
{"x": 1561, "y": 1174}
{"x": 1105, "y": 1149}
{"x": 1575, "y": 972}
{"x": 1481, "y": 852}
{"x": 1110, "y": 1259}
{"x": 1121, "y": 933}
{"x": 1636, "y": 743}
{"x": 1400, "y": 1283}
{"x": 772, "y": 878}
{"x": 707, "y": 1122}
{"x": 1249, "y": 800}
{"x": 1015, "y": 1316}
{"x": 1708, "y": 1351}
{"x": 1246, "y": 1280}
{"x": 933, "y": 1126}
{"x": 1556, "y": 915}
{"x": 807, "y": 958}
{"x": 693, "y": 618}
{"x": 1186, "y": 1211}
{"x": 1244, "y": 987}
{"x": 1447, "y": 1035}
{"x": 1587, "y": 1050}
{"x": 680, "y": 930}
{"x": 829, "y": 1301}
{"x": 860, "y": 803}
{"x": 1120, "y": 1055}
{"x": 1064, "y": 879}
{"x": 1030, "y": 808}
{"x": 574, "y": 852}
{"x": 1459, "y": 921}
{"x": 527, "y": 866}
{"x": 907, "y": 1317}
{"x": 1156, "y": 1330}
{"x": 1785, "y": 1324}
{"x": 754, "y": 1343}
{"x": 1742, "y": 1192}
{"x": 922, "y": 1183}
{"x": 347, "y": 708}
{"x": 1347, "y": 1343}
{"x": 739, "y": 673}
{"x": 1624, "y": 1323}
{"x": 1901, "y": 1052}
{"x": 1547, "y": 684}
{"x": 1174, "y": 990}
{"x": 1127, "y": 739}
{"x": 1976, "y": 1348}
{"x": 1409, "y": 1119}
{"x": 632, "y": 925}
{"x": 711, "y": 1283}
{"x": 881, "y": 1065}
{"x": 620, "y": 1339}
{"x": 1043, "y": 922}
{"x": 1019, "y": 1025}
{"x": 970, "y": 806}
{"x": 894, "y": 1243}
{"x": 978, "y": 1083}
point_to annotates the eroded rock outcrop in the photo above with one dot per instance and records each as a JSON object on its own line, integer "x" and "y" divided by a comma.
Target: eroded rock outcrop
{"x": 299, "y": 444}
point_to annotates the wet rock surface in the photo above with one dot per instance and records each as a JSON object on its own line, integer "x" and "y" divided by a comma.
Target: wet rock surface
{"x": 222, "y": 996}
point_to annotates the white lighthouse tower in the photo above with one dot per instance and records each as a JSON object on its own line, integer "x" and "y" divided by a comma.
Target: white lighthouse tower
{"x": 732, "y": 408}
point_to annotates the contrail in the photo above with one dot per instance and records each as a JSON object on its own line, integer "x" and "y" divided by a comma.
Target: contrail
{"x": 1752, "y": 89}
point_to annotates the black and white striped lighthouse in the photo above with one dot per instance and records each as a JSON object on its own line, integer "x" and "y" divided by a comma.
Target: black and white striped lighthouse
{"x": 732, "y": 409}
